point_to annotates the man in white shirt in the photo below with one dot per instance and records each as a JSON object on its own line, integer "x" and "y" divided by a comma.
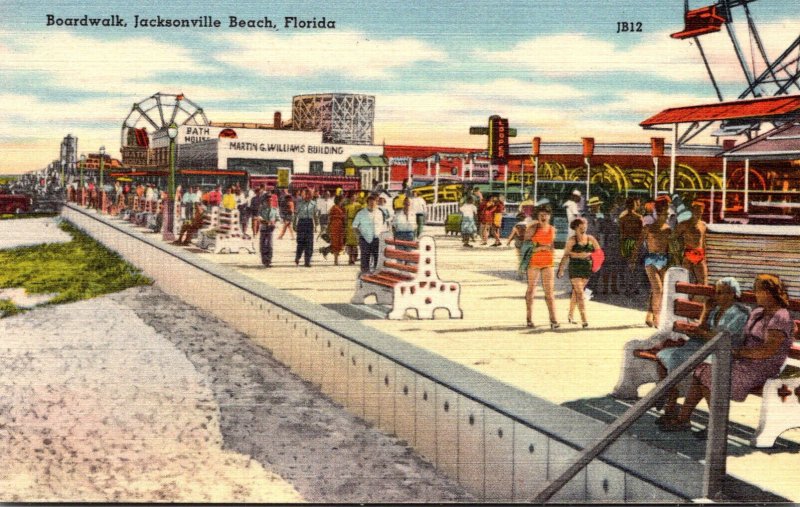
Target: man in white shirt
{"x": 405, "y": 223}
{"x": 468, "y": 227}
{"x": 150, "y": 194}
{"x": 573, "y": 210}
{"x": 368, "y": 225}
{"x": 324, "y": 203}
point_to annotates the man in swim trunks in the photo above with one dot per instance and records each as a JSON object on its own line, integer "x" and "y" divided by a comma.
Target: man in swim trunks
{"x": 656, "y": 237}
{"x": 692, "y": 233}
{"x": 630, "y": 233}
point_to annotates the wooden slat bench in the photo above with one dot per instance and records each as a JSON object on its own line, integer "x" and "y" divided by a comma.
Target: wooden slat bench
{"x": 780, "y": 405}
{"x": 406, "y": 279}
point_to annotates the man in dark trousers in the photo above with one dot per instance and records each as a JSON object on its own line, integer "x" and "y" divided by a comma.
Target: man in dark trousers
{"x": 255, "y": 206}
{"x": 305, "y": 215}
{"x": 267, "y": 215}
{"x": 368, "y": 225}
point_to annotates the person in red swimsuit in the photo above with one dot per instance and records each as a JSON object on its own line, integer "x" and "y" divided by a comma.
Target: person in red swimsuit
{"x": 542, "y": 235}
{"x": 693, "y": 235}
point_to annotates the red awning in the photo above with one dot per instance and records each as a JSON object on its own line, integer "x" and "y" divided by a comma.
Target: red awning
{"x": 739, "y": 109}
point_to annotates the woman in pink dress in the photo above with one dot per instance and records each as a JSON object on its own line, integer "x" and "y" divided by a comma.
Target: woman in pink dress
{"x": 768, "y": 336}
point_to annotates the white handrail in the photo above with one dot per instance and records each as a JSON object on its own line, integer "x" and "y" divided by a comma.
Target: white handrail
{"x": 436, "y": 214}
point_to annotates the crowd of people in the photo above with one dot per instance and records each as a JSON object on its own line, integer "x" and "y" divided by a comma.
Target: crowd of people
{"x": 616, "y": 249}
{"x": 346, "y": 223}
{"x": 639, "y": 241}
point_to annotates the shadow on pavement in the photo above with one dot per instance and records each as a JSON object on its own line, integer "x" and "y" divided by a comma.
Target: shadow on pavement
{"x": 355, "y": 312}
{"x": 609, "y": 409}
{"x": 565, "y": 328}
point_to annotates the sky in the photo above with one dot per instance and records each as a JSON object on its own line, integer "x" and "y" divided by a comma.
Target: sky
{"x": 556, "y": 69}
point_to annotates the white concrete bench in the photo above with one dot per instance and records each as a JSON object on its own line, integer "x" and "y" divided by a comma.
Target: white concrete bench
{"x": 226, "y": 235}
{"x": 207, "y": 231}
{"x": 406, "y": 279}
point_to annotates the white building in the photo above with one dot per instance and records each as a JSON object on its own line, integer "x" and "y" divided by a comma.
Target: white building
{"x": 260, "y": 151}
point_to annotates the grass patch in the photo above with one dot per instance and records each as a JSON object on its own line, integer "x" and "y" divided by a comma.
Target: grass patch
{"x": 8, "y": 308}
{"x": 79, "y": 269}
{"x": 13, "y": 216}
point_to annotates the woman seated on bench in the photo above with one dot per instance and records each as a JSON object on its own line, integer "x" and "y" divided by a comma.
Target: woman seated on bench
{"x": 768, "y": 337}
{"x": 726, "y": 314}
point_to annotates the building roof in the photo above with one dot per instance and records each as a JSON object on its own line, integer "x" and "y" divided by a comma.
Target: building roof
{"x": 781, "y": 143}
{"x": 399, "y": 151}
{"x": 367, "y": 161}
{"x": 739, "y": 109}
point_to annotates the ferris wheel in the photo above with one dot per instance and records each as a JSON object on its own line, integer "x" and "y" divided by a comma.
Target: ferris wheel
{"x": 763, "y": 75}
{"x": 158, "y": 112}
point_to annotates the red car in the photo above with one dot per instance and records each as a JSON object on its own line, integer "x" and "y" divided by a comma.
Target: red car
{"x": 14, "y": 203}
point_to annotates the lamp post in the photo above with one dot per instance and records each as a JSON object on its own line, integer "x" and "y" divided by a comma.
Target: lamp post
{"x": 102, "y": 192}
{"x": 83, "y": 163}
{"x": 536, "y": 144}
{"x": 657, "y": 150}
{"x": 588, "y": 151}
{"x": 167, "y": 226}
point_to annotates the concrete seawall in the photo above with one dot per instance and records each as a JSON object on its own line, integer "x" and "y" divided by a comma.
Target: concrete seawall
{"x": 503, "y": 444}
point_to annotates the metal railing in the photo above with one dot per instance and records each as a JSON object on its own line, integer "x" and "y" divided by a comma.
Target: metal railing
{"x": 436, "y": 214}
{"x": 716, "y": 446}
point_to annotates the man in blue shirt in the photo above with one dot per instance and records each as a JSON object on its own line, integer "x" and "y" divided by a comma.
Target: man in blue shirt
{"x": 305, "y": 215}
{"x": 368, "y": 224}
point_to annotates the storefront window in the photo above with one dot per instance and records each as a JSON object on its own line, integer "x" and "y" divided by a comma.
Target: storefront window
{"x": 258, "y": 166}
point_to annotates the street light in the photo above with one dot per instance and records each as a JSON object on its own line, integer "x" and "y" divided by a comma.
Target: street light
{"x": 167, "y": 227}
{"x": 83, "y": 163}
{"x": 102, "y": 190}
{"x": 172, "y": 132}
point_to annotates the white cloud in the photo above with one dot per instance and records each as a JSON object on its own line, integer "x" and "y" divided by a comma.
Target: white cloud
{"x": 32, "y": 128}
{"x": 64, "y": 60}
{"x": 518, "y": 90}
{"x": 25, "y": 111}
{"x": 645, "y": 103}
{"x": 574, "y": 55}
{"x": 353, "y": 54}
{"x": 440, "y": 118}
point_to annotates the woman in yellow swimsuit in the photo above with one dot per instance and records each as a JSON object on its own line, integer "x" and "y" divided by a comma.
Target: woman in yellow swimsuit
{"x": 541, "y": 236}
